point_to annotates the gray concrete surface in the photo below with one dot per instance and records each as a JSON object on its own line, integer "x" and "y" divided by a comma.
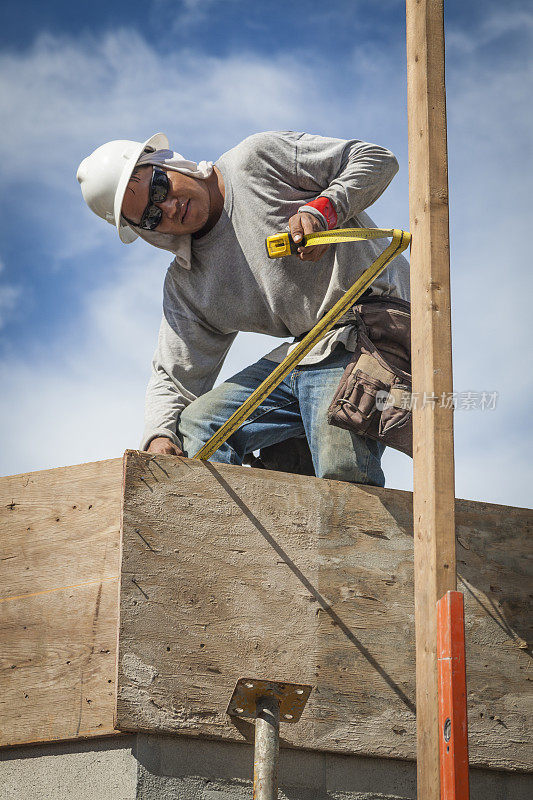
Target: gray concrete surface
{"x": 92, "y": 770}
{"x": 148, "y": 767}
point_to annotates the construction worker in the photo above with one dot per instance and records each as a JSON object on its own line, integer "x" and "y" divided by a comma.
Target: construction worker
{"x": 214, "y": 219}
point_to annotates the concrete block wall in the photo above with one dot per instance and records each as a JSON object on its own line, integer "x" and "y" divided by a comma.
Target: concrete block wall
{"x": 148, "y": 767}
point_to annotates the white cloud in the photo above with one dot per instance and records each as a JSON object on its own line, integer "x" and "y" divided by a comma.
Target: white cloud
{"x": 80, "y": 397}
{"x": 491, "y": 28}
{"x": 187, "y": 13}
{"x": 9, "y": 295}
{"x": 69, "y": 95}
{"x": 8, "y": 300}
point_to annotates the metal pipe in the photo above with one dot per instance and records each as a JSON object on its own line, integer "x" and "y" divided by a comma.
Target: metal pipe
{"x": 266, "y": 751}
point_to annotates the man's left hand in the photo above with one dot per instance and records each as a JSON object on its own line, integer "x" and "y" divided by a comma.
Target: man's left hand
{"x": 301, "y": 225}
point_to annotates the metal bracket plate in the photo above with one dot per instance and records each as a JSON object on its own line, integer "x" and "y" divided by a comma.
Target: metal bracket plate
{"x": 292, "y": 698}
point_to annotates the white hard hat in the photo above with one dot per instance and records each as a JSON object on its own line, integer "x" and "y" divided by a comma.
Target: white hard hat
{"x": 104, "y": 176}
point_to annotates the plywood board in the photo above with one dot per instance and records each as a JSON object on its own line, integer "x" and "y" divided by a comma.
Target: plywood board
{"x": 59, "y": 572}
{"x": 231, "y": 572}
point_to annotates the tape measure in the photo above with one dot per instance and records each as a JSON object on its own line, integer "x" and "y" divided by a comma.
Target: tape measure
{"x": 282, "y": 244}
{"x": 279, "y": 245}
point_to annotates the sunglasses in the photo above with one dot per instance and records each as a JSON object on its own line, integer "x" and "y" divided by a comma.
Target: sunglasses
{"x": 159, "y": 189}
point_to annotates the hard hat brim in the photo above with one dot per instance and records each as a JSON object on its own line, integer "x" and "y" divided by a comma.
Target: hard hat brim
{"x": 160, "y": 142}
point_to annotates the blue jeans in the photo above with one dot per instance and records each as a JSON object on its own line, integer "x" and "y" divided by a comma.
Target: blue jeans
{"x": 296, "y": 408}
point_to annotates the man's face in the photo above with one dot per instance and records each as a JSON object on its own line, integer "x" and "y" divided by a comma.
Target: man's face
{"x": 185, "y": 209}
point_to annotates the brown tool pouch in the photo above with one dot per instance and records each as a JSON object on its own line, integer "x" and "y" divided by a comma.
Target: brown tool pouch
{"x": 374, "y": 395}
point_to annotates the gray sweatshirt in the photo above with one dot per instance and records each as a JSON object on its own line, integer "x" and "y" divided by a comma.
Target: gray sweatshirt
{"x": 233, "y": 286}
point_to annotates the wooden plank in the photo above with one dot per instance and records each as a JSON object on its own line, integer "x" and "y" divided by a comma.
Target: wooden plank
{"x": 434, "y": 491}
{"x": 231, "y": 572}
{"x": 59, "y": 569}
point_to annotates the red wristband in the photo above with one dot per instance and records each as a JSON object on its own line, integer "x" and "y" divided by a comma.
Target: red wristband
{"x": 326, "y": 208}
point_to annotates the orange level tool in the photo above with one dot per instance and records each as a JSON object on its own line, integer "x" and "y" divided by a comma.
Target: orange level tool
{"x": 453, "y": 724}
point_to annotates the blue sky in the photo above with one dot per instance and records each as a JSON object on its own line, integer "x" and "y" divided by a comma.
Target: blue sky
{"x": 79, "y": 311}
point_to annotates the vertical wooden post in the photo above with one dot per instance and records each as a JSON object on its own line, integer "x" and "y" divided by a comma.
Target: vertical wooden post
{"x": 434, "y": 493}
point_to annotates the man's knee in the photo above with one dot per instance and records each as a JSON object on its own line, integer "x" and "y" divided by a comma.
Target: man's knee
{"x": 199, "y": 418}
{"x": 191, "y": 416}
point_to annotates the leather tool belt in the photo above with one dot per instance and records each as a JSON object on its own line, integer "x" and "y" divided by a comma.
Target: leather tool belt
{"x": 374, "y": 395}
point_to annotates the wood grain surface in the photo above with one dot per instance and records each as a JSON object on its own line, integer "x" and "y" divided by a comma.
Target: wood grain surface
{"x": 231, "y": 572}
{"x": 431, "y": 339}
{"x": 59, "y": 566}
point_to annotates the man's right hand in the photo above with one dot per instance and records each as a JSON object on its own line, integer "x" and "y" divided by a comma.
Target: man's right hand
{"x": 164, "y": 447}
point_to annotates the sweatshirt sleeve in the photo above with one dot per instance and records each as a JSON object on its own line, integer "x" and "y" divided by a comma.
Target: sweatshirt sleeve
{"x": 352, "y": 174}
{"x": 186, "y": 363}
